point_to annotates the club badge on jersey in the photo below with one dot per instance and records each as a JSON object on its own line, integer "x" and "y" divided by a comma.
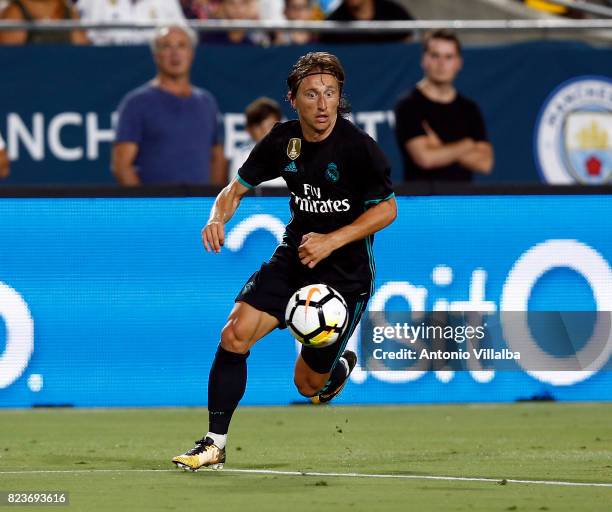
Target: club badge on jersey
{"x": 294, "y": 148}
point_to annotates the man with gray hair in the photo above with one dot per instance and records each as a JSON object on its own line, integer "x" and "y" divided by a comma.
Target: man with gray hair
{"x": 169, "y": 131}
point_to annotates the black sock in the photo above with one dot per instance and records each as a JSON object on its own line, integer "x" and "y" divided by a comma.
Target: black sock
{"x": 337, "y": 377}
{"x": 226, "y": 385}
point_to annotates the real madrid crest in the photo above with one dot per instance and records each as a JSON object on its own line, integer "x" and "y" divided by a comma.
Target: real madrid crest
{"x": 293, "y": 148}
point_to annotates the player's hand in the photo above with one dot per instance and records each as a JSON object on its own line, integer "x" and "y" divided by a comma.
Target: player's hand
{"x": 313, "y": 248}
{"x": 213, "y": 236}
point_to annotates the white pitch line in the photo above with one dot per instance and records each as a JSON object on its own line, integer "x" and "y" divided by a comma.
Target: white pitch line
{"x": 320, "y": 474}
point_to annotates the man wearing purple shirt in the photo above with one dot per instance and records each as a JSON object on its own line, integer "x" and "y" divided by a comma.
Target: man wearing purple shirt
{"x": 169, "y": 131}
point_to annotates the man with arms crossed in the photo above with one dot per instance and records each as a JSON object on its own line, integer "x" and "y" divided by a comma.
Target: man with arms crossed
{"x": 441, "y": 133}
{"x": 341, "y": 195}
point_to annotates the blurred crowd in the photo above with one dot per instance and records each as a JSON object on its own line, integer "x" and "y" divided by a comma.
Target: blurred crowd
{"x": 174, "y": 11}
{"x": 177, "y": 11}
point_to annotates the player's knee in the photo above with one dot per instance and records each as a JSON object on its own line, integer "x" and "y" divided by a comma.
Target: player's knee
{"x": 234, "y": 337}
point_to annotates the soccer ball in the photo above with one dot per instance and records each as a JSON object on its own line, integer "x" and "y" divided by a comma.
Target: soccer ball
{"x": 316, "y": 315}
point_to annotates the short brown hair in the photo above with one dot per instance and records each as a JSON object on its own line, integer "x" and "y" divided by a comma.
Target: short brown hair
{"x": 443, "y": 33}
{"x": 314, "y": 63}
{"x": 261, "y": 109}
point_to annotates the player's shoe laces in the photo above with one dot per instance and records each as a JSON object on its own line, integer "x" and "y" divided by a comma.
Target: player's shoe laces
{"x": 204, "y": 454}
{"x": 350, "y": 358}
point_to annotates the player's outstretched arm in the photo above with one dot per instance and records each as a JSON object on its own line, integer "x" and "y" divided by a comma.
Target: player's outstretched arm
{"x": 316, "y": 247}
{"x": 226, "y": 204}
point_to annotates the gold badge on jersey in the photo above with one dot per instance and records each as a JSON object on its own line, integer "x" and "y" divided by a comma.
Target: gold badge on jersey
{"x": 293, "y": 148}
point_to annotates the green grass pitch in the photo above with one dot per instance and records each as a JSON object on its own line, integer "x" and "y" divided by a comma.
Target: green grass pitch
{"x": 98, "y": 457}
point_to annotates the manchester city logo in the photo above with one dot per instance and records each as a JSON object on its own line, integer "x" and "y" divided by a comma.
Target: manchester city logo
{"x": 573, "y": 133}
{"x": 332, "y": 173}
{"x": 294, "y": 148}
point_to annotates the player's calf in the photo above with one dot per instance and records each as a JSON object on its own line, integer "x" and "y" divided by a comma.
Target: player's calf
{"x": 307, "y": 381}
{"x": 338, "y": 378}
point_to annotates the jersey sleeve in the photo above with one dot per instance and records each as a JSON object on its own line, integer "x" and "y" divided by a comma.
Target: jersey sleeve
{"x": 377, "y": 183}
{"x": 408, "y": 122}
{"x": 261, "y": 164}
{"x": 2, "y": 144}
{"x": 130, "y": 123}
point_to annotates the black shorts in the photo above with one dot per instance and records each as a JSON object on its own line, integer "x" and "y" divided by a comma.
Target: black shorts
{"x": 270, "y": 288}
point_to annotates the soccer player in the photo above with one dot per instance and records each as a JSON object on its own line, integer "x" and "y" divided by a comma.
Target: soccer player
{"x": 340, "y": 196}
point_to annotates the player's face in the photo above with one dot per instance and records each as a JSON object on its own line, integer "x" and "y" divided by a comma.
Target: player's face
{"x": 441, "y": 62}
{"x": 316, "y": 102}
{"x": 174, "y": 53}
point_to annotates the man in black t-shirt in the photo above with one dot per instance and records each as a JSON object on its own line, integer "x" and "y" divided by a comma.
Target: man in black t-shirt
{"x": 368, "y": 10}
{"x": 441, "y": 133}
{"x": 340, "y": 196}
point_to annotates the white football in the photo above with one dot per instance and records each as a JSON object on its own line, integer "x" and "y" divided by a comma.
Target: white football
{"x": 316, "y": 315}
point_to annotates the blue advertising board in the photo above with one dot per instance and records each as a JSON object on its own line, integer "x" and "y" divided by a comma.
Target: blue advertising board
{"x": 114, "y": 302}
{"x": 59, "y": 103}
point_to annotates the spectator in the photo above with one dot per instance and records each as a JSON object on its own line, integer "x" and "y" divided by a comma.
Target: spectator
{"x": 271, "y": 10}
{"x": 33, "y": 10}
{"x": 168, "y": 130}
{"x": 261, "y": 115}
{"x": 297, "y": 10}
{"x": 4, "y": 161}
{"x": 367, "y": 10}
{"x": 165, "y": 12}
{"x": 238, "y": 10}
{"x": 199, "y": 9}
{"x": 441, "y": 133}
{"x": 207, "y": 9}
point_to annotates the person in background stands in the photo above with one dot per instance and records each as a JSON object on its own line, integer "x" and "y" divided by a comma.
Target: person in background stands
{"x": 199, "y": 9}
{"x": 167, "y": 12}
{"x": 441, "y": 134}
{"x": 367, "y": 10}
{"x": 169, "y": 131}
{"x": 209, "y": 9}
{"x": 238, "y": 10}
{"x": 35, "y": 10}
{"x": 261, "y": 116}
{"x": 297, "y": 10}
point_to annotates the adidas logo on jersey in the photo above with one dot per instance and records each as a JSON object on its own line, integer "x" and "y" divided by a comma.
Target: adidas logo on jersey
{"x": 291, "y": 167}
